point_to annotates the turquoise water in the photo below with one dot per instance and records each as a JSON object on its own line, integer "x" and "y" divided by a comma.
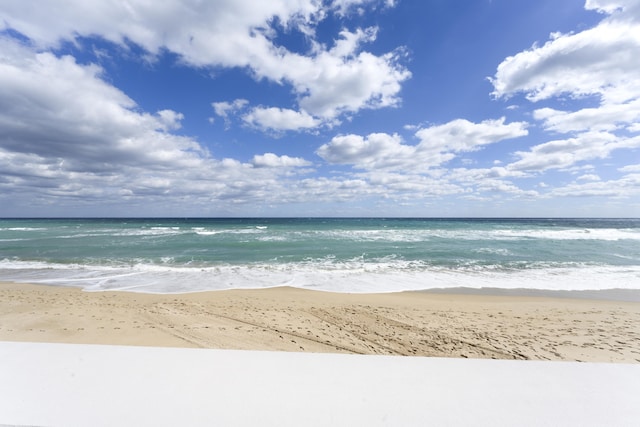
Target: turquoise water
{"x": 346, "y": 255}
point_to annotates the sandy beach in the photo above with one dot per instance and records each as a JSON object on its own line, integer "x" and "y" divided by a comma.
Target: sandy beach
{"x": 288, "y": 319}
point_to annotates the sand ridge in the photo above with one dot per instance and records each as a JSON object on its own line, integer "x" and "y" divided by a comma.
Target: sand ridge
{"x": 287, "y": 319}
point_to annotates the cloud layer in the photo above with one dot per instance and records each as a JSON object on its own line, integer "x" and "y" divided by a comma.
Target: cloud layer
{"x": 601, "y": 62}
{"x": 327, "y": 80}
{"x": 438, "y": 145}
{"x": 67, "y": 135}
{"x": 70, "y": 138}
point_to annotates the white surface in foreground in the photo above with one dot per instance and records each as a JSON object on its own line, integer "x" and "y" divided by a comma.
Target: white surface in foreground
{"x": 63, "y": 384}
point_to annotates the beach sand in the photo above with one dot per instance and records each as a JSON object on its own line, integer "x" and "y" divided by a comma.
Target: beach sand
{"x": 288, "y": 319}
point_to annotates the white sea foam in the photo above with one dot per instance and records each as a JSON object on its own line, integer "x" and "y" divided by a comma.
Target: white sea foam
{"x": 363, "y": 235}
{"x": 496, "y": 251}
{"x": 153, "y": 231}
{"x": 349, "y": 277}
{"x": 211, "y": 232}
{"x": 343, "y": 256}
{"x": 609, "y": 234}
{"x": 22, "y": 229}
{"x": 422, "y": 235}
{"x": 273, "y": 238}
{"x": 208, "y": 232}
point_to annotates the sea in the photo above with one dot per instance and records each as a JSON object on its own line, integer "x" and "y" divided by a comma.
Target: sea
{"x": 352, "y": 255}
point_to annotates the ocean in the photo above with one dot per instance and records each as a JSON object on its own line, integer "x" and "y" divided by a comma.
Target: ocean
{"x": 330, "y": 254}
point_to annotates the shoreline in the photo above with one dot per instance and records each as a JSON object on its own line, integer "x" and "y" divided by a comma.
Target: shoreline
{"x": 611, "y": 294}
{"x": 465, "y": 322}
{"x": 615, "y": 294}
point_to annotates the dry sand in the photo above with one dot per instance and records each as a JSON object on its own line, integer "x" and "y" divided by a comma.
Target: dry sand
{"x": 287, "y": 319}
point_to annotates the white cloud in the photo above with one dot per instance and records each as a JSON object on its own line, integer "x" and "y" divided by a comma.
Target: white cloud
{"x": 279, "y": 119}
{"x": 438, "y": 144}
{"x": 501, "y": 186}
{"x": 231, "y": 33}
{"x": 331, "y": 82}
{"x": 377, "y": 150}
{"x": 630, "y": 168}
{"x": 599, "y": 61}
{"x": 492, "y": 180}
{"x": 609, "y": 6}
{"x": 70, "y": 139}
{"x": 349, "y": 42}
{"x": 627, "y": 186}
{"x": 270, "y": 160}
{"x": 462, "y": 135}
{"x": 54, "y": 107}
{"x": 560, "y": 154}
{"x": 608, "y": 117}
{"x": 333, "y": 85}
{"x": 602, "y": 61}
{"x": 343, "y": 7}
{"x": 170, "y": 120}
{"x": 400, "y": 185}
{"x": 193, "y": 29}
{"x": 588, "y": 177}
{"x": 223, "y": 109}
{"x": 226, "y": 109}
{"x": 480, "y": 174}
{"x": 69, "y": 136}
{"x": 396, "y": 170}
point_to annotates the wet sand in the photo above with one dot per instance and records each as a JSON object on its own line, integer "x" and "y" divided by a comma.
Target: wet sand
{"x": 286, "y": 319}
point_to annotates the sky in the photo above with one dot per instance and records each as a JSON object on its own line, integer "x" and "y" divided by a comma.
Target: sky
{"x": 431, "y": 108}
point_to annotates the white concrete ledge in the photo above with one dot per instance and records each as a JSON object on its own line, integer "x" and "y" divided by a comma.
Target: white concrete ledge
{"x": 91, "y": 385}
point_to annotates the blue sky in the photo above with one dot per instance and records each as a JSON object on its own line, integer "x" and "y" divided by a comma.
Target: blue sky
{"x": 320, "y": 108}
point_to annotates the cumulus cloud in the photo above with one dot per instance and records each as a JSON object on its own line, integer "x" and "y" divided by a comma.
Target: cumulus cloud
{"x": 588, "y": 177}
{"x": 627, "y": 186}
{"x": 607, "y": 117}
{"x": 223, "y": 109}
{"x": 69, "y": 136}
{"x": 345, "y": 79}
{"x": 333, "y": 81}
{"x": 55, "y": 108}
{"x": 610, "y": 6}
{"x": 561, "y": 154}
{"x": 327, "y": 80}
{"x": 397, "y": 185}
{"x": 344, "y": 7}
{"x": 270, "y": 160}
{"x": 438, "y": 144}
{"x": 396, "y": 170}
{"x": 630, "y": 168}
{"x": 169, "y": 119}
{"x": 226, "y": 109}
{"x": 601, "y": 63}
{"x": 489, "y": 180}
{"x": 462, "y": 135}
{"x": 375, "y": 151}
{"x": 279, "y": 119}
